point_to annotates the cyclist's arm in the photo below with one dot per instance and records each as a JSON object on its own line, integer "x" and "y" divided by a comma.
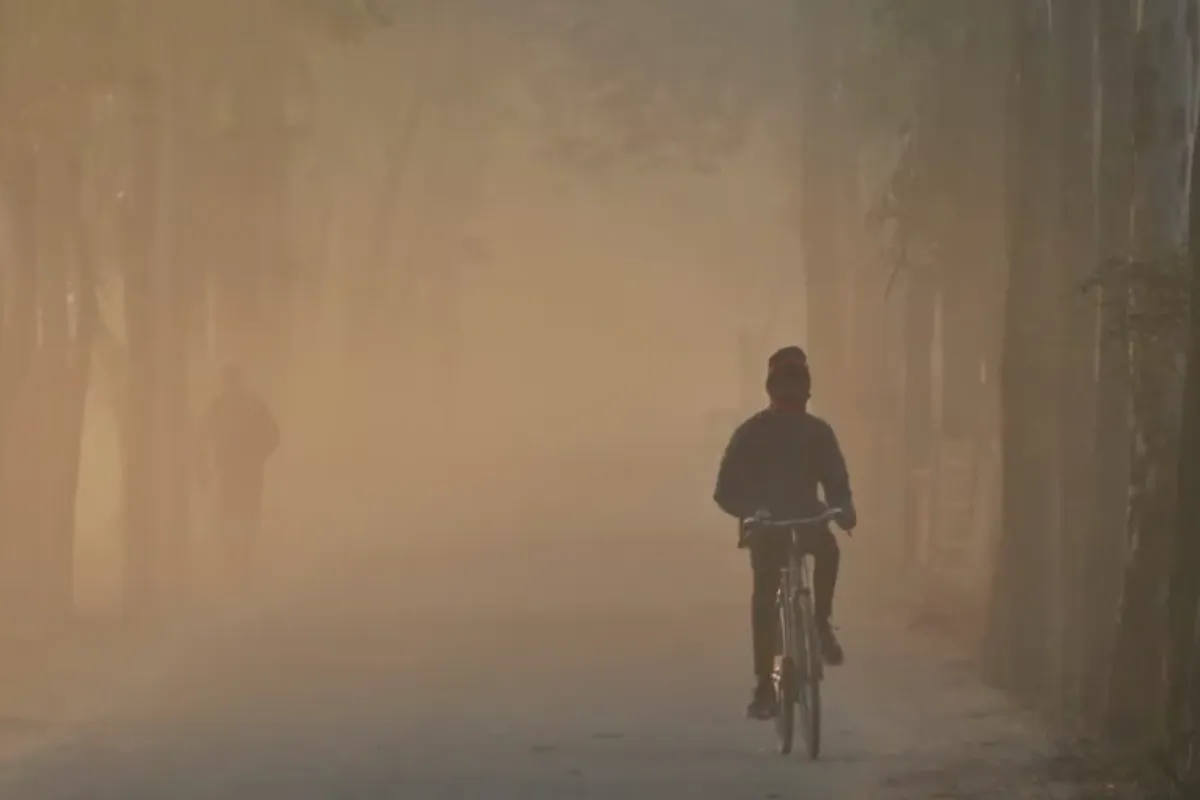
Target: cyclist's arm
{"x": 735, "y": 482}
{"x": 835, "y": 479}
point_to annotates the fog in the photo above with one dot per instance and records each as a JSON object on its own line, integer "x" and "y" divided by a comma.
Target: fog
{"x": 571, "y": 464}
{"x": 508, "y": 285}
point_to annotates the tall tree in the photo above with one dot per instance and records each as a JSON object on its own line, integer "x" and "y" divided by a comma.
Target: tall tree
{"x": 1183, "y": 597}
{"x": 823, "y": 172}
{"x": 1020, "y": 631}
{"x": 1164, "y": 91}
{"x": 1109, "y": 472}
{"x": 141, "y": 474}
{"x": 1075, "y": 25}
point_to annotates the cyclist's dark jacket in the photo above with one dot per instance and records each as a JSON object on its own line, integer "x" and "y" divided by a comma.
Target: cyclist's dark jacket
{"x": 775, "y": 460}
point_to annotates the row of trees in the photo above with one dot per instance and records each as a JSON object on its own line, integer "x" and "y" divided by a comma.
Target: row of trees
{"x": 995, "y": 202}
{"x": 287, "y": 183}
{"x": 165, "y": 175}
{"x": 1037, "y": 219}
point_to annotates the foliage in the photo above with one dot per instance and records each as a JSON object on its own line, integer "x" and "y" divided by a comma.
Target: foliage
{"x": 342, "y": 20}
{"x": 899, "y": 80}
{"x": 1157, "y": 298}
{"x": 650, "y": 83}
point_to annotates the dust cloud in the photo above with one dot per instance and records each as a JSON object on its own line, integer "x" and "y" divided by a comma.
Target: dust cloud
{"x": 553, "y": 470}
{"x": 507, "y": 284}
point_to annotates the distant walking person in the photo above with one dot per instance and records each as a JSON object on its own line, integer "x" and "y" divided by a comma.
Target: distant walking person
{"x": 238, "y": 435}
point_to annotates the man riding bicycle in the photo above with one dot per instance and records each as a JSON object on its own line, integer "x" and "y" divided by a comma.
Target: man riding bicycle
{"x": 775, "y": 462}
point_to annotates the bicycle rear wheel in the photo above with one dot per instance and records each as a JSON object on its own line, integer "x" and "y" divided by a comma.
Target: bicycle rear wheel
{"x": 785, "y": 712}
{"x": 809, "y": 680}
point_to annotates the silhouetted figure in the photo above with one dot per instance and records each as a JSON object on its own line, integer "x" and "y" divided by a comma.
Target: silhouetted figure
{"x": 775, "y": 461}
{"x": 238, "y": 435}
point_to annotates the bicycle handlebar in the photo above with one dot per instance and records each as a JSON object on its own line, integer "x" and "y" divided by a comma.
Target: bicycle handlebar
{"x": 756, "y": 525}
{"x": 761, "y": 522}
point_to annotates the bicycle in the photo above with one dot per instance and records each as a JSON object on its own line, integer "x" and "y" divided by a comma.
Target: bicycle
{"x": 799, "y": 666}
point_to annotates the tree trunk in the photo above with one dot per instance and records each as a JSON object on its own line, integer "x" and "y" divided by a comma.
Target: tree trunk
{"x": 869, "y": 359}
{"x": 821, "y": 168}
{"x": 143, "y": 546}
{"x": 1183, "y": 598}
{"x": 178, "y": 270}
{"x": 252, "y": 283}
{"x": 66, "y": 360}
{"x": 1020, "y": 632}
{"x": 963, "y": 156}
{"x": 888, "y": 455}
{"x": 1109, "y": 472}
{"x": 967, "y": 161}
{"x": 1074, "y": 26}
{"x": 19, "y": 348}
{"x": 369, "y": 295}
{"x": 1163, "y": 91}
{"x": 919, "y": 311}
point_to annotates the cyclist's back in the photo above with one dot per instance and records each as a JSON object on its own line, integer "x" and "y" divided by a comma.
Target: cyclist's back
{"x": 777, "y": 459}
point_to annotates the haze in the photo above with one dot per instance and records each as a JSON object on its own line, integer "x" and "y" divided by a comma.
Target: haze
{"x": 508, "y": 281}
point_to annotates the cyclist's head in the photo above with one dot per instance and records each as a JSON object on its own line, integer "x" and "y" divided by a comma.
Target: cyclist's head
{"x": 789, "y": 382}
{"x": 784, "y": 356}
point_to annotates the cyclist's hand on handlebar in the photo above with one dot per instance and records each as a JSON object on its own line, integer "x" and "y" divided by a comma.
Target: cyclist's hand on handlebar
{"x": 846, "y": 519}
{"x": 746, "y": 525}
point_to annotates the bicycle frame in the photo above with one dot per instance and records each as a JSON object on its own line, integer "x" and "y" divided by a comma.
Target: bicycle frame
{"x": 794, "y": 602}
{"x": 791, "y": 579}
{"x": 802, "y": 616}
{"x": 794, "y": 582}
{"x": 798, "y": 670}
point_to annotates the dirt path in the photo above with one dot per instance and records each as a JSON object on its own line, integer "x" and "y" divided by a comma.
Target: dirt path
{"x": 354, "y": 702}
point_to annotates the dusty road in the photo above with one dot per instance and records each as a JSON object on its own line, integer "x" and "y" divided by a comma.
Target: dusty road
{"x": 349, "y": 701}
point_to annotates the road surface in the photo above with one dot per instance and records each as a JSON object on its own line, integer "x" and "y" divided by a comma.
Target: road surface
{"x": 356, "y": 700}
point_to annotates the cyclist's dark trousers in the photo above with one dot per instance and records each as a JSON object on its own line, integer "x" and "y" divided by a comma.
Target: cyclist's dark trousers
{"x": 766, "y": 560}
{"x": 240, "y": 510}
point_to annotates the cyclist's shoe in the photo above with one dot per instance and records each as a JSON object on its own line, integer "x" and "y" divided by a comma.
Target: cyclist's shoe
{"x": 831, "y": 649}
{"x": 763, "y": 705}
